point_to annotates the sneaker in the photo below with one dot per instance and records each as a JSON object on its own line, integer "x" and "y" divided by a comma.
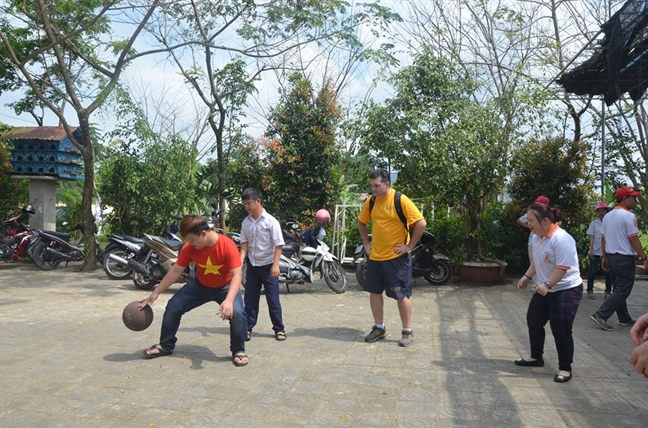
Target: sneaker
{"x": 376, "y": 334}
{"x": 601, "y": 322}
{"x": 630, "y": 323}
{"x": 407, "y": 338}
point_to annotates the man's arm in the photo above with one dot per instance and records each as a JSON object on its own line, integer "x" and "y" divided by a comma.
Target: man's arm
{"x": 243, "y": 251}
{"x": 170, "y": 278}
{"x": 636, "y": 245}
{"x": 364, "y": 235}
{"x": 274, "y": 270}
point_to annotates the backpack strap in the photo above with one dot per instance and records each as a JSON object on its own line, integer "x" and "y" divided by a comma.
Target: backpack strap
{"x": 397, "y": 206}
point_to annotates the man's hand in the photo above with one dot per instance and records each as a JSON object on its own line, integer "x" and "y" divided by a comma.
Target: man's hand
{"x": 274, "y": 271}
{"x": 149, "y": 300}
{"x": 402, "y": 249}
{"x": 226, "y": 310}
{"x": 367, "y": 248}
{"x": 639, "y": 331}
{"x": 522, "y": 283}
{"x": 639, "y": 359}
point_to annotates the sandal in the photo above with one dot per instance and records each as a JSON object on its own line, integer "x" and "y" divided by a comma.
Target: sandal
{"x": 240, "y": 360}
{"x": 280, "y": 336}
{"x": 248, "y": 336}
{"x": 562, "y": 378}
{"x": 161, "y": 352}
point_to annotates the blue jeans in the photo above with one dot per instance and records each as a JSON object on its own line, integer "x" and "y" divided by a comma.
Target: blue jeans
{"x": 559, "y": 308}
{"x": 593, "y": 268}
{"x": 189, "y": 297}
{"x": 257, "y": 276}
{"x": 622, "y": 269}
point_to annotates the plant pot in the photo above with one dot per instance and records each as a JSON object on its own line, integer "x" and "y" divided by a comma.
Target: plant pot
{"x": 481, "y": 273}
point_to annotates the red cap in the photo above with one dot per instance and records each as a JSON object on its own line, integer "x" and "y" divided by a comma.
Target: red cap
{"x": 542, "y": 200}
{"x": 626, "y": 191}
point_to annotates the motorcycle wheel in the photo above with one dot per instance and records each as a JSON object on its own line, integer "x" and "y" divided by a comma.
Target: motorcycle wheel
{"x": 335, "y": 276}
{"x": 143, "y": 282}
{"x": 441, "y": 274}
{"x": 361, "y": 272}
{"x": 42, "y": 259}
{"x": 114, "y": 269}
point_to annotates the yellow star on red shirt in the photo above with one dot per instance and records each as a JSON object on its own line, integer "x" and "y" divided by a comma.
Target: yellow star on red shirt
{"x": 211, "y": 268}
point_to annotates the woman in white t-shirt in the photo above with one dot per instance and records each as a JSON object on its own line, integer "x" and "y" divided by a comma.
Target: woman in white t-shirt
{"x": 557, "y": 292}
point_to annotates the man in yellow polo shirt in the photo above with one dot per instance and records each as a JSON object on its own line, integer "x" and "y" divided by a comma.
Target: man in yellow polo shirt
{"x": 389, "y": 265}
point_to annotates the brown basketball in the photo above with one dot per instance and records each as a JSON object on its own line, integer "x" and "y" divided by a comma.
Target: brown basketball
{"x": 135, "y": 318}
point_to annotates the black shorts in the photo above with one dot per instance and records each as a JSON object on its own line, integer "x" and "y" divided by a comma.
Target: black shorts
{"x": 393, "y": 276}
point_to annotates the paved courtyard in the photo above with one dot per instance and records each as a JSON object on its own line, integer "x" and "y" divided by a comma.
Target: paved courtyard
{"x": 66, "y": 360}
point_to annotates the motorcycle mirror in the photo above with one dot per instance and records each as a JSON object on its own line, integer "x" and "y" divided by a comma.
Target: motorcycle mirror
{"x": 294, "y": 226}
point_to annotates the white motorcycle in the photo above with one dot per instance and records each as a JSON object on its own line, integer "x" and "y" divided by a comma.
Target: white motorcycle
{"x": 308, "y": 264}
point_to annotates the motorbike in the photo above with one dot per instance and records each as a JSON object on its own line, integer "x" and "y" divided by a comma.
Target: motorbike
{"x": 51, "y": 248}
{"x": 300, "y": 265}
{"x": 18, "y": 235}
{"x": 436, "y": 268}
{"x": 153, "y": 261}
{"x": 124, "y": 246}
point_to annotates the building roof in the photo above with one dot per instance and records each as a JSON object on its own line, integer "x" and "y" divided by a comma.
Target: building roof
{"x": 55, "y": 133}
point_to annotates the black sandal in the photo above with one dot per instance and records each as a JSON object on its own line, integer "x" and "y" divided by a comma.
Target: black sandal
{"x": 238, "y": 360}
{"x": 280, "y": 336}
{"x": 157, "y": 347}
{"x": 248, "y": 336}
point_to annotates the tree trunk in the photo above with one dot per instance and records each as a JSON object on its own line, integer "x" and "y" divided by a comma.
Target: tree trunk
{"x": 88, "y": 190}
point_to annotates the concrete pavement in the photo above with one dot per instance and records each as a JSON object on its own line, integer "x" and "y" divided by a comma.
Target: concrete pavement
{"x": 66, "y": 360}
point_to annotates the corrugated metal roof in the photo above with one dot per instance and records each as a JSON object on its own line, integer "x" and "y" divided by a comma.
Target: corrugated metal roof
{"x": 56, "y": 133}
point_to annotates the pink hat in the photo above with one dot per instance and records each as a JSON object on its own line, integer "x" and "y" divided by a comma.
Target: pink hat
{"x": 602, "y": 206}
{"x": 542, "y": 200}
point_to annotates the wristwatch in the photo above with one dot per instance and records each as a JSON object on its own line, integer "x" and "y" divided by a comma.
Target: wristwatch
{"x": 546, "y": 283}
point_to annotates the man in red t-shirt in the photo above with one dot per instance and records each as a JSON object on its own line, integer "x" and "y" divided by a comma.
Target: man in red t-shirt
{"x": 218, "y": 278}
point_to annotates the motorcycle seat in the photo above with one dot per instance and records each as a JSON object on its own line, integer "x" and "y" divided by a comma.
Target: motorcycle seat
{"x": 129, "y": 238}
{"x": 51, "y": 233}
{"x": 174, "y": 245}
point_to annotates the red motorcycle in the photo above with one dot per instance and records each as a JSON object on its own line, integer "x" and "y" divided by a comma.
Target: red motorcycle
{"x": 18, "y": 236}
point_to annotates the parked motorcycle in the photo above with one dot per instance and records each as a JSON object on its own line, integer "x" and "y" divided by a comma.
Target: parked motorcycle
{"x": 17, "y": 236}
{"x": 153, "y": 261}
{"x": 125, "y": 247}
{"x": 434, "y": 267}
{"x": 299, "y": 265}
{"x": 52, "y": 248}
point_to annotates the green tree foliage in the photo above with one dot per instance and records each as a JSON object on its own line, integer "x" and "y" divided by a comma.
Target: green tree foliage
{"x": 442, "y": 143}
{"x": 146, "y": 186}
{"x": 304, "y": 156}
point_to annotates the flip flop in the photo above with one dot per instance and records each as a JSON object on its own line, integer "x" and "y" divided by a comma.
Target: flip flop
{"x": 161, "y": 351}
{"x": 280, "y": 336}
{"x": 238, "y": 360}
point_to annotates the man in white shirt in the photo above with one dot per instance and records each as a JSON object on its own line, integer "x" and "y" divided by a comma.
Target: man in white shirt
{"x": 596, "y": 251}
{"x": 261, "y": 243}
{"x": 621, "y": 245}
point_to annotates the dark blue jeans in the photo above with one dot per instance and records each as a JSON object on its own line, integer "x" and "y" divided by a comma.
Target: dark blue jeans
{"x": 622, "y": 270}
{"x": 257, "y": 276}
{"x": 559, "y": 309}
{"x": 189, "y": 297}
{"x": 593, "y": 268}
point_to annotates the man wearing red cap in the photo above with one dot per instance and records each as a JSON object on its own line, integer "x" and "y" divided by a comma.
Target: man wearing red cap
{"x": 621, "y": 245}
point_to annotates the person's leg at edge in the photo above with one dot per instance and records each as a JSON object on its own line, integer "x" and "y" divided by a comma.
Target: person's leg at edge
{"x": 623, "y": 274}
{"x": 563, "y": 306}
{"x": 405, "y": 311}
{"x": 238, "y": 322}
{"x": 591, "y": 274}
{"x": 189, "y": 297}
{"x": 252, "y": 296}
{"x": 537, "y": 317}
{"x": 608, "y": 282}
{"x": 376, "y": 303}
{"x": 271, "y": 286}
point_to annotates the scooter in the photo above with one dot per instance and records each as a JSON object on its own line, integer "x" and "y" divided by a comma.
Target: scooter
{"x": 153, "y": 261}
{"x": 18, "y": 235}
{"x": 300, "y": 265}
{"x": 125, "y": 247}
{"x": 436, "y": 268}
{"x": 52, "y": 248}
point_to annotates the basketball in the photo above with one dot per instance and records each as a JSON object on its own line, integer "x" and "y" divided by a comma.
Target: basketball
{"x": 135, "y": 318}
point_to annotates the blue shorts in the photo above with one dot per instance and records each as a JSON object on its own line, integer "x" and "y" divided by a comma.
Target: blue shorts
{"x": 393, "y": 276}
